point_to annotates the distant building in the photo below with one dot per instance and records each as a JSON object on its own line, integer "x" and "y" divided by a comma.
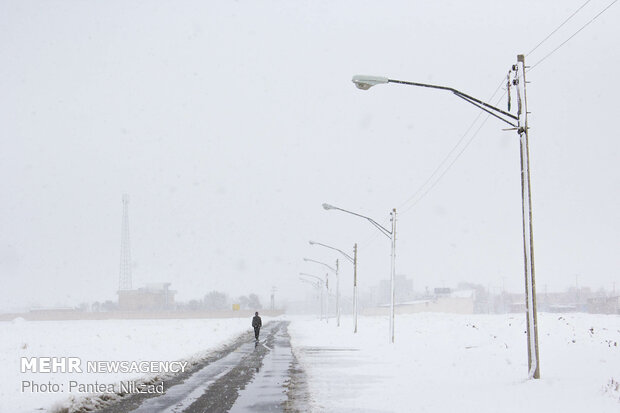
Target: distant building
{"x": 152, "y": 297}
{"x": 558, "y": 302}
{"x": 604, "y": 305}
{"x": 447, "y": 301}
{"x": 403, "y": 290}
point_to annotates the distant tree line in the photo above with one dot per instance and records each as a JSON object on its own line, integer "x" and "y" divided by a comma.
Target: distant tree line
{"x": 212, "y": 301}
{"x": 219, "y": 301}
{"x": 98, "y": 307}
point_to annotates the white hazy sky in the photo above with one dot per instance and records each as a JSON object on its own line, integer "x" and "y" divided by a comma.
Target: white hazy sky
{"x": 229, "y": 123}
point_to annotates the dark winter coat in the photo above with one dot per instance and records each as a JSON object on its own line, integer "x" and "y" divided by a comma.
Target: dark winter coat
{"x": 257, "y": 322}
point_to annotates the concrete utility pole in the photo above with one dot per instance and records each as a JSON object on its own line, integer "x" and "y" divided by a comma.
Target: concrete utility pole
{"x": 319, "y": 285}
{"x": 337, "y": 272}
{"x": 327, "y": 292}
{"x": 322, "y": 305}
{"x": 392, "y": 274}
{"x": 273, "y": 298}
{"x": 526, "y": 206}
{"x": 392, "y": 236}
{"x": 355, "y": 286}
{"x": 337, "y": 296}
{"x": 520, "y": 124}
{"x": 124, "y": 282}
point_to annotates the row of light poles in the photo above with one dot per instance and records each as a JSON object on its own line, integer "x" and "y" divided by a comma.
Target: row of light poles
{"x": 516, "y": 78}
{"x": 318, "y": 284}
{"x": 352, "y": 260}
{"x": 391, "y": 234}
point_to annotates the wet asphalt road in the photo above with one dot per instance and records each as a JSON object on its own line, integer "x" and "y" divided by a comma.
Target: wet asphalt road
{"x": 245, "y": 377}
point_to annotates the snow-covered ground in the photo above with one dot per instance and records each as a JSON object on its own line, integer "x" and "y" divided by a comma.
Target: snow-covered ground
{"x": 439, "y": 363}
{"x": 460, "y": 363}
{"x": 107, "y": 340}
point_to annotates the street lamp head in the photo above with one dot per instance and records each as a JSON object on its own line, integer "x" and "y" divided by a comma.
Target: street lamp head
{"x": 327, "y": 207}
{"x": 366, "y": 82}
{"x": 311, "y": 242}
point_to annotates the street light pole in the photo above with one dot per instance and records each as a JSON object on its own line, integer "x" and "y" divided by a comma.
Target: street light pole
{"x": 354, "y": 262}
{"x": 335, "y": 270}
{"x": 518, "y": 123}
{"x": 392, "y": 273}
{"x": 337, "y": 296}
{"x": 319, "y": 283}
{"x": 392, "y": 236}
{"x": 355, "y": 286}
{"x": 317, "y": 286}
{"x": 327, "y": 292}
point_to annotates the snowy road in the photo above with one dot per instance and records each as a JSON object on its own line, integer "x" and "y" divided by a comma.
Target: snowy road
{"x": 248, "y": 377}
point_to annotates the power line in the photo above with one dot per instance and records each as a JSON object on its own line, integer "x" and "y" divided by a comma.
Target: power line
{"x": 373, "y": 237}
{"x": 442, "y": 163}
{"x": 453, "y": 161}
{"x": 558, "y": 28}
{"x": 446, "y": 159}
{"x": 573, "y": 35}
{"x": 454, "y": 148}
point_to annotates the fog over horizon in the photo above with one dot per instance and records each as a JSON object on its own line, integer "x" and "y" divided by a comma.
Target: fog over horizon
{"x": 230, "y": 123}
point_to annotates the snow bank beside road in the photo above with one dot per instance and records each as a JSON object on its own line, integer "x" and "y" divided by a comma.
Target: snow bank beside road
{"x": 105, "y": 340}
{"x": 460, "y": 363}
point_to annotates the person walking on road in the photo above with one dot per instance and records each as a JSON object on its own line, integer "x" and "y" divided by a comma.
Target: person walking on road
{"x": 257, "y": 323}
